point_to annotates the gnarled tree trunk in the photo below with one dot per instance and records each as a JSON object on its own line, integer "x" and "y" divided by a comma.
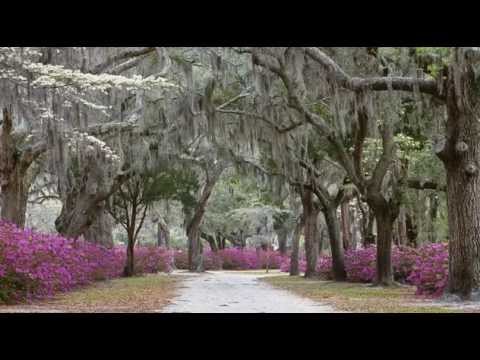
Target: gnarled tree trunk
{"x": 294, "y": 269}
{"x": 129, "y": 269}
{"x": 220, "y": 240}
{"x": 412, "y": 232}
{"x": 402, "y": 227}
{"x": 321, "y": 240}
{"x": 432, "y": 217}
{"x": 82, "y": 208}
{"x": 211, "y": 241}
{"x": 369, "y": 237}
{"x": 336, "y": 247}
{"x": 100, "y": 232}
{"x": 195, "y": 258}
{"x": 163, "y": 234}
{"x": 282, "y": 235}
{"x": 385, "y": 217}
{"x": 310, "y": 211}
{"x": 79, "y": 212}
{"x": 346, "y": 233}
{"x": 14, "y": 166}
{"x": 460, "y": 153}
{"x": 14, "y": 198}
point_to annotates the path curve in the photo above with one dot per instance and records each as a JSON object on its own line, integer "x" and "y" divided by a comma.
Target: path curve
{"x": 234, "y": 292}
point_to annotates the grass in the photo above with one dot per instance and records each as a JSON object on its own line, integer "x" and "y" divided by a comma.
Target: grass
{"x": 147, "y": 293}
{"x": 355, "y": 297}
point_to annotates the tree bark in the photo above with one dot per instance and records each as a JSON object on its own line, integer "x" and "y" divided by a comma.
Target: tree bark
{"x": 321, "y": 240}
{"x": 14, "y": 165}
{"x": 14, "y": 199}
{"x": 163, "y": 234}
{"x": 402, "y": 227}
{"x": 82, "y": 208}
{"x": 79, "y": 212}
{"x": 220, "y": 239}
{"x": 460, "y": 153}
{"x": 464, "y": 232}
{"x": 294, "y": 269}
{"x": 385, "y": 218}
{"x": 368, "y": 235}
{"x": 311, "y": 211}
{"x": 195, "y": 258}
{"x": 333, "y": 227}
{"x": 243, "y": 240}
{"x": 412, "y": 232}
{"x": 432, "y": 217}
{"x": 129, "y": 269}
{"x": 355, "y": 229}
{"x": 100, "y": 232}
{"x": 211, "y": 241}
{"x": 346, "y": 233}
{"x": 282, "y": 235}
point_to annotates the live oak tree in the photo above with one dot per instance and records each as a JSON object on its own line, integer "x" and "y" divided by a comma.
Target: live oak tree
{"x": 454, "y": 87}
{"x": 14, "y": 166}
{"x": 209, "y": 169}
{"x": 285, "y": 65}
{"x": 47, "y": 92}
{"x": 93, "y": 172}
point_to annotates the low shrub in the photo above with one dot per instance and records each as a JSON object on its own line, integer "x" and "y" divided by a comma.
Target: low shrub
{"x": 430, "y": 271}
{"x": 36, "y": 265}
{"x": 324, "y": 266}
{"x": 425, "y": 267}
{"x": 233, "y": 259}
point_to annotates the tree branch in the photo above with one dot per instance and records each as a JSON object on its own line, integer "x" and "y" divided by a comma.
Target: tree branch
{"x": 125, "y": 55}
{"x": 374, "y": 83}
{"x": 419, "y": 184}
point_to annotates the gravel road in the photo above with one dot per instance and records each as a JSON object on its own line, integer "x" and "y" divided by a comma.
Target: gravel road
{"x": 233, "y": 292}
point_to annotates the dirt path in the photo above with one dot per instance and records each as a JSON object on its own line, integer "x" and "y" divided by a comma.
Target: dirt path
{"x": 238, "y": 292}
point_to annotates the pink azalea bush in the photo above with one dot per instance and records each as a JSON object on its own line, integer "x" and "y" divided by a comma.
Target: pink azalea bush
{"x": 238, "y": 259}
{"x": 360, "y": 264}
{"x": 324, "y": 266}
{"x": 149, "y": 259}
{"x": 35, "y": 265}
{"x": 425, "y": 267}
{"x": 272, "y": 259}
{"x": 211, "y": 261}
{"x": 180, "y": 259}
{"x": 403, "y": 260}
{"x": 233, "y": 259}
{"x": 430, "y": 270}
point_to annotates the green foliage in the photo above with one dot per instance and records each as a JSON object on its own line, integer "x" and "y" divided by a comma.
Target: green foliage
{"x": 417, "y": 154}
{"x": 13, "y": 285}
{"x": 442, "y": 52}
{"x": 231, "y": 192}
{"x": 242, "y": 203}
{"x": 221, "y": 96}
{"x": 172, "y": 184}
{"x": 439, "y": 55}
{"x": 320, "y": 108}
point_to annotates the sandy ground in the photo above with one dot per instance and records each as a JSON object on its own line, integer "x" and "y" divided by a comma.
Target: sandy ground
{"x": 234, "y": 292}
